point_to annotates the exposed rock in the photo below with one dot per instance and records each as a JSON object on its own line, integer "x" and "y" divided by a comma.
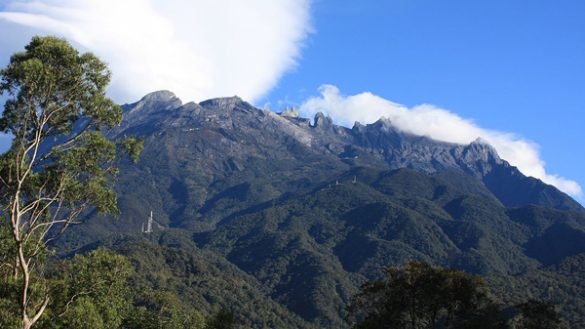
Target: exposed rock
{"x": 290, "y": 113}
{"x": 156, "y": 101}
{"x": 220, "y": 141}
{"x": 322, "y": 121}
{"x": 225, "y": 103}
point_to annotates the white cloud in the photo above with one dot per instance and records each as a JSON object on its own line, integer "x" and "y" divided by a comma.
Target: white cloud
{"x": 198, "y": 49}
{"x": 436, "y": 123}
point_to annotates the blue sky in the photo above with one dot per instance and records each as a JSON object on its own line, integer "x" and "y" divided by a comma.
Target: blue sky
{"x": 510, "y": 71}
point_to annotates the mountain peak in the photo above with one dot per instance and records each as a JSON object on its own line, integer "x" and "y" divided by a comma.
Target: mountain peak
{"x": 159, "y": 95}
{"x": 322, "y": 121}
{"x": 484, "y": 150}
{"x": 384, "y": 124}
{"x": 156, "y": 101}
{"x": 222, "y": 102}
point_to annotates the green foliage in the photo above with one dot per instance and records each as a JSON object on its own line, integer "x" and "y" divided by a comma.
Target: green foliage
{"x": 162, "y": 309}
{"x": 53, "y": 77}
{"x": 83, "y": 314}
{"x": 92, "y": 286}
{"x": 133, "y": 147}
{"x": 9, "y": 308}
{"x": 174, "y": 282}
{"x": 7, "y": 250}
{"x": 58, "y": 108}
{"x": 420, "y": 296}
{"x": 538, "y": 315}
{"x": 561, "y": 284}
{"x": 93, "y": 291}
{"x": 59, "y": 164}
{"x": 11, "y": 282}
{"x": 86, "y": 174}
{"x": 222, "y": 320}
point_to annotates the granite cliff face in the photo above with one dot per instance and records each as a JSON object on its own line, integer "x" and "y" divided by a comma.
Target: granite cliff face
{"x": 310, "y": 209}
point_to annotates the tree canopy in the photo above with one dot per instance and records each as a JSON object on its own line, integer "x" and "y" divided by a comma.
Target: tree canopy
{"x": 421, "y": 296}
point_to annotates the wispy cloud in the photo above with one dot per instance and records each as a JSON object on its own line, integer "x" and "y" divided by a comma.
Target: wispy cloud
{"x": 198, "y": 49}
{"x": 436, "y": 123}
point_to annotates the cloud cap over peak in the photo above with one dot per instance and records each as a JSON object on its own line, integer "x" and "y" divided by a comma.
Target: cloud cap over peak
{"x": 436, "y": 123}
{"x": 199, "y": 49}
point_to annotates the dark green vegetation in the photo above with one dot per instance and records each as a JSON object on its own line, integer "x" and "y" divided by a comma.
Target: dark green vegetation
{"x": 171, "y": 264}
{"x": 102, "y": 290}
{"x": 306, "y": 213}
{"x": 420, "y": 296}
{"x": 277, "y": 222}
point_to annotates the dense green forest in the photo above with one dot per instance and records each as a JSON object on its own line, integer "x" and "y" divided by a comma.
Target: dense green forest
{"x": 164, "y": 281}
{"x": 102, "y": 289}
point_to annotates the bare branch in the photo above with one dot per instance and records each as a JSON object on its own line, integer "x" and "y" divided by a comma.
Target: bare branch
{"x": 72, "y": 299}
{"x": 40, "y": 311}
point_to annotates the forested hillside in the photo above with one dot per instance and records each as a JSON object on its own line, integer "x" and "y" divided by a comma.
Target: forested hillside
{"x": 299, "y": 214}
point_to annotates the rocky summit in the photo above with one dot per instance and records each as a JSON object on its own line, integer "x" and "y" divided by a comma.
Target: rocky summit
{"x": 302, "y": 211}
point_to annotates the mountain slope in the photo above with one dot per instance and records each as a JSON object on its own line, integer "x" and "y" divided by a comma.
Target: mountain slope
{"x": 311, "y": 210}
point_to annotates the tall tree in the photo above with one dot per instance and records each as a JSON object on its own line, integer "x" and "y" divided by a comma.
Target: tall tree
{"x": 420, "y": 296}
{"x": 60, "y": 163}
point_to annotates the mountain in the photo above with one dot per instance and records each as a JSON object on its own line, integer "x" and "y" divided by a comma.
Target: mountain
{"x": 304, "y": 211}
